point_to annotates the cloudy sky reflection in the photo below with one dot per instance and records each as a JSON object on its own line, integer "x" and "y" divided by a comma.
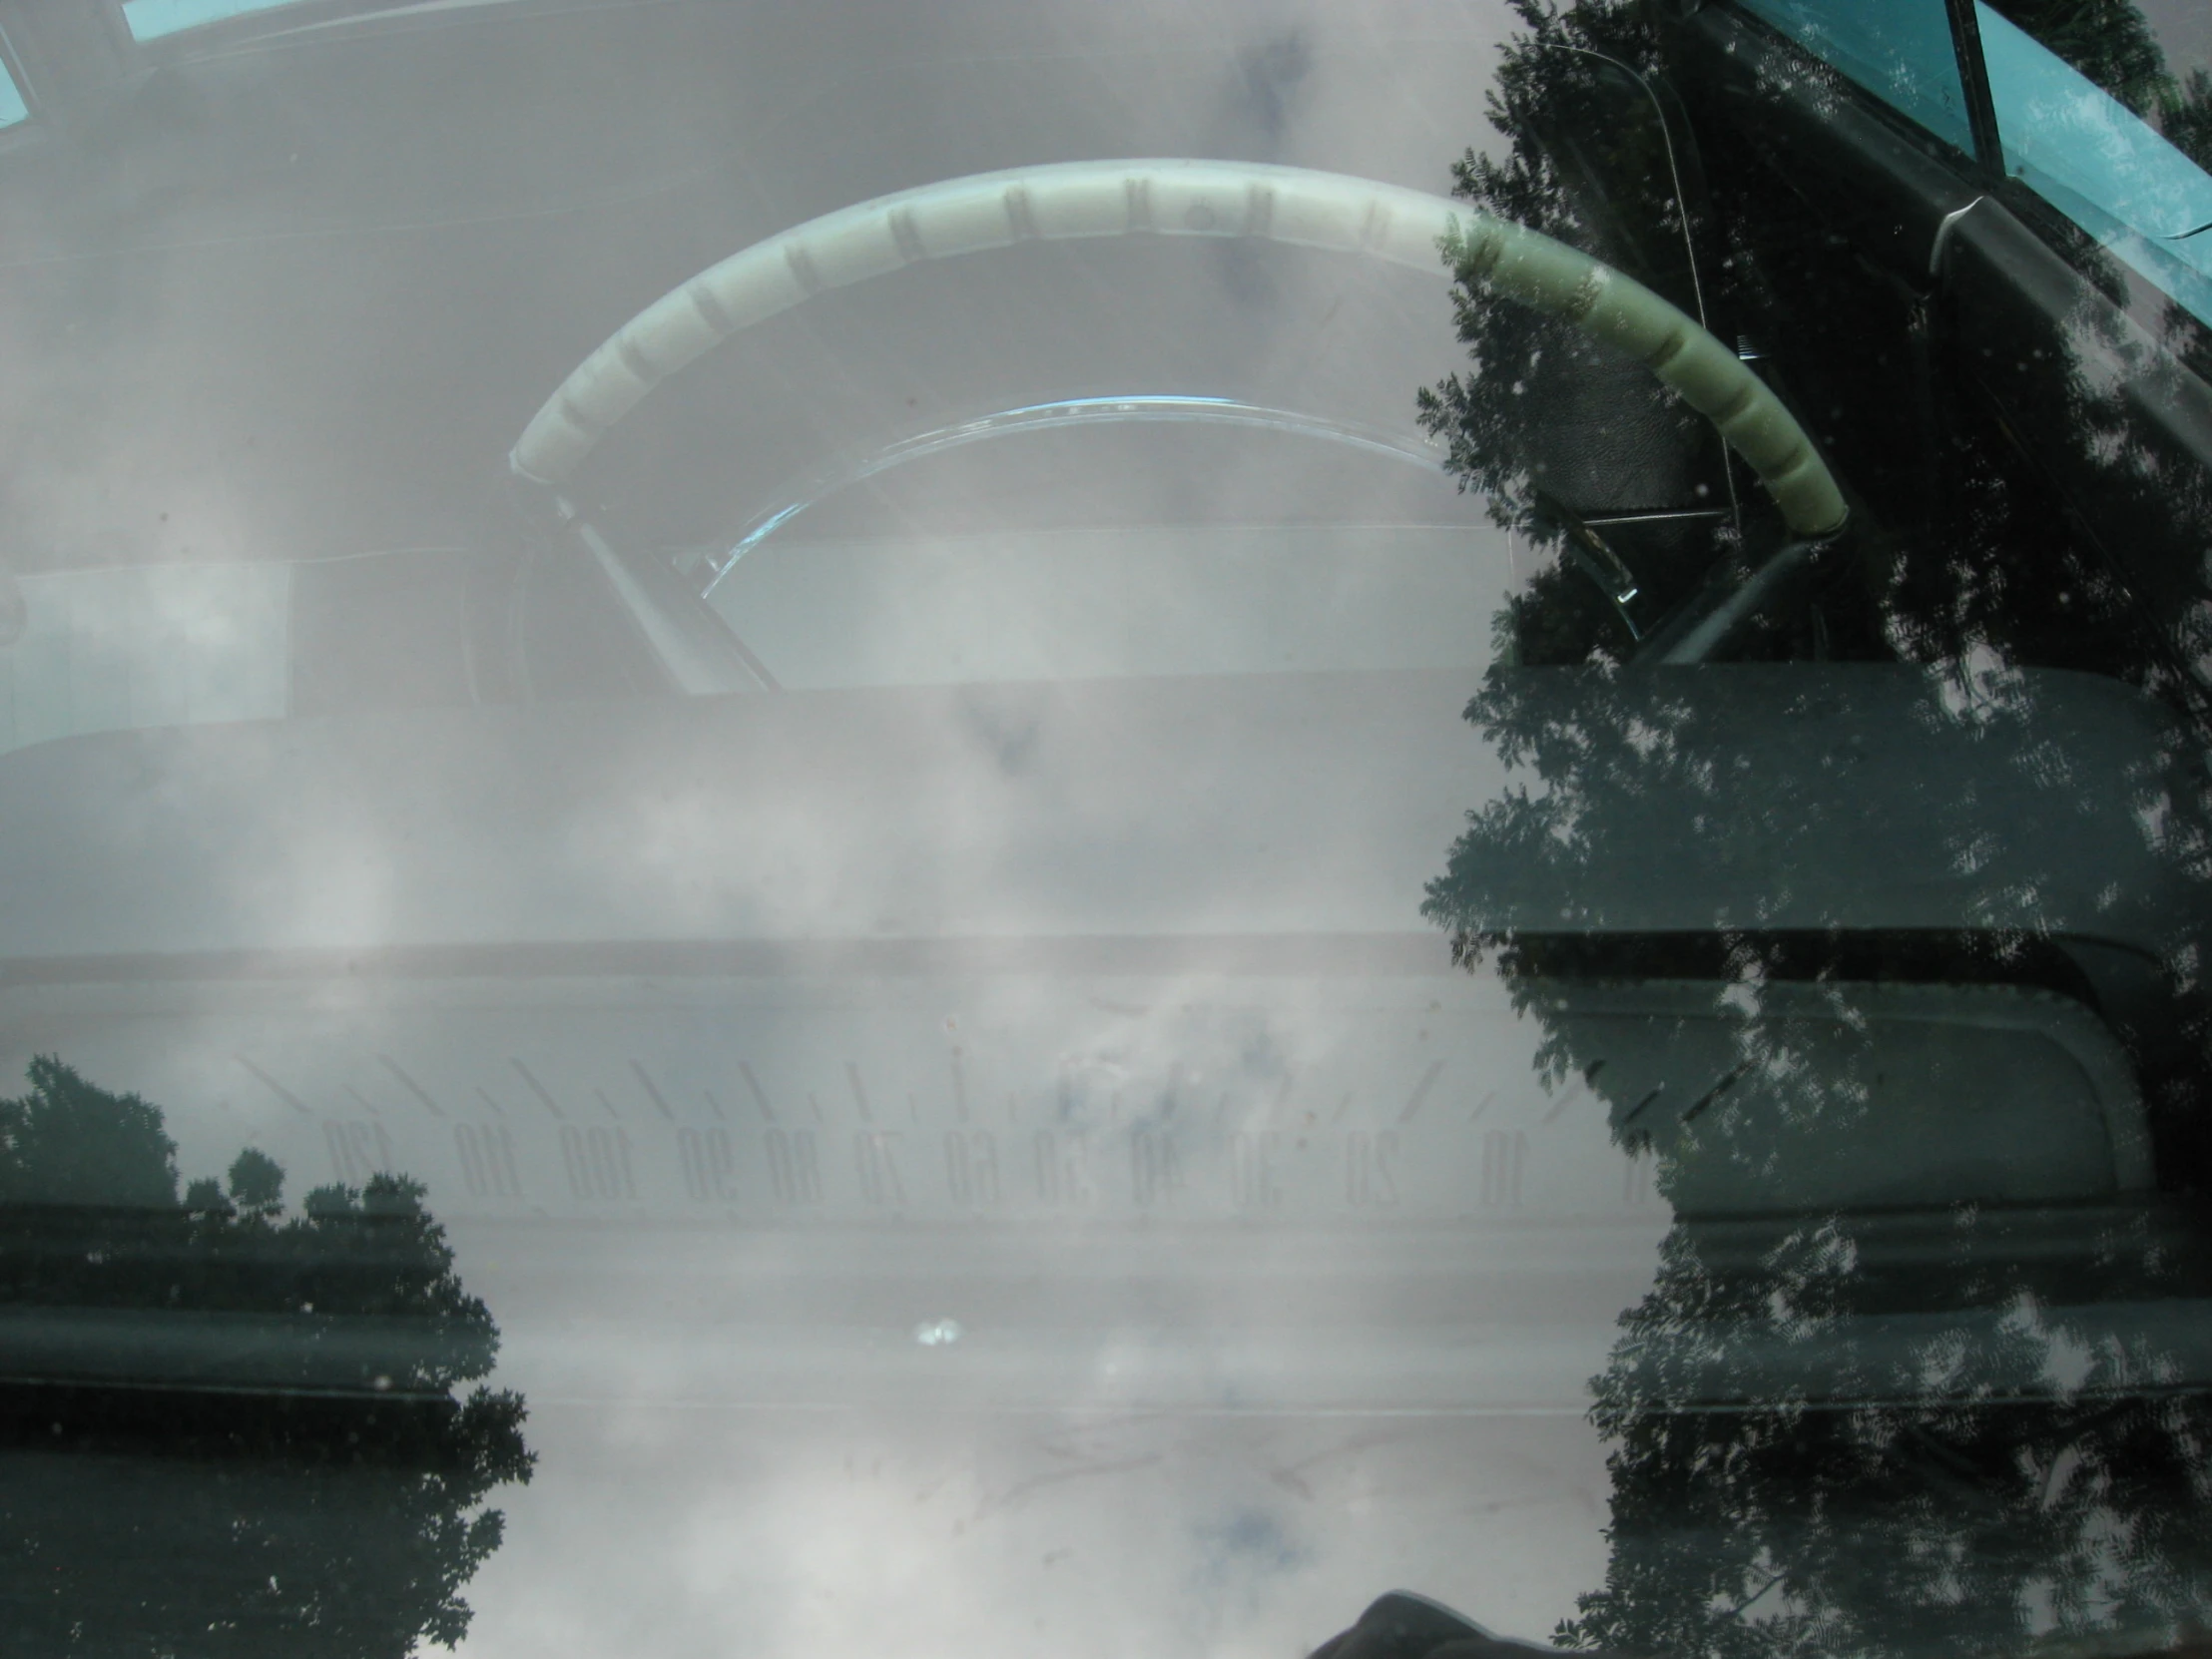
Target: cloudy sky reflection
{"x": 1042, "y": 969}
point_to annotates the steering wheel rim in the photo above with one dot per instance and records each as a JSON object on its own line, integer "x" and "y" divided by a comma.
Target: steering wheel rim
{"x": 1074, "y": 201}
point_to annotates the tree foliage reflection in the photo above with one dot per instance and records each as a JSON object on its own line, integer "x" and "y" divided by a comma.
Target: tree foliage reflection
{"x": 1915, "y": 1375}
{"x": 230, "y": 1428}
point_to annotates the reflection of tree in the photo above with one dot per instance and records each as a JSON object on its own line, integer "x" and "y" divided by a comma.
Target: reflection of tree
{"x": 1545, "y": 417}
{"x": 2114, "y": 45}
{"x": 66, "y": 1142}
{"x": 1907, "y": 1380}
{"x": 1688, "y": 793}
{"x": 1888, "y": 1393}
{"x": 2144, "y": 497}
{"x": 1956, "y": 1490}
{"x": 227, "y": 1428}
{"x": 1961, "y": 546}
{"x": 1966, "y": 558}
{"x": 2110, "y": 41}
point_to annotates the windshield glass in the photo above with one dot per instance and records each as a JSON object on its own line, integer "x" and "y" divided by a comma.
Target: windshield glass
{"x": 1228, "y": 829}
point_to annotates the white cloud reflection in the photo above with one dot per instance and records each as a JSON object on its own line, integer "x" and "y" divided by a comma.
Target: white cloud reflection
{"x": 702, "y": 1532}
{"x": 1112, "y": 963}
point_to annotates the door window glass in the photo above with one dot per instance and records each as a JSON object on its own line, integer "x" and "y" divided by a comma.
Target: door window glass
{"x": 1899, "y": 50}
{"x": 2082, "y": 149}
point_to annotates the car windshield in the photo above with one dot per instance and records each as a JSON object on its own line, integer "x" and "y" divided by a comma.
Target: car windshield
{"x": 1240, "y": 830}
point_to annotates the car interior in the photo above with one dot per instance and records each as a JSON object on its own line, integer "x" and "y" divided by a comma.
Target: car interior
{"x": 1074, "y": 745}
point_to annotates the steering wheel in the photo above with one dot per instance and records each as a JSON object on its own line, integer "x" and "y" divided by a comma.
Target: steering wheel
{"x": 1079, "y": 199}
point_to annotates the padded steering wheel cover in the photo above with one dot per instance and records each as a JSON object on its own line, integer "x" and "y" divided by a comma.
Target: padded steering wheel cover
{"x": 1291, "y": 205}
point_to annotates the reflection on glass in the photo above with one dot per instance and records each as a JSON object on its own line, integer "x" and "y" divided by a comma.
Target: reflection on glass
{"x": 1574, "y": 446}
{"x": 1926, "y": 1359}
{"x": 974, "y": 1131}
{"x": 2094, "y": 156}
{"x": 1068, "y": 412}
{"x": 12, "y": 107}
{"x": 2155, "y": 59}
{"x": 162, "y": 645}
{"x": 1810, "y": 1456}
{"x": 1925, "y": 1363}
{"x": 1900, "y": 50}
{"x": 1887, "y": 971}
{"x": 152, "y": 19}
{"x": 230, "y": 1428}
